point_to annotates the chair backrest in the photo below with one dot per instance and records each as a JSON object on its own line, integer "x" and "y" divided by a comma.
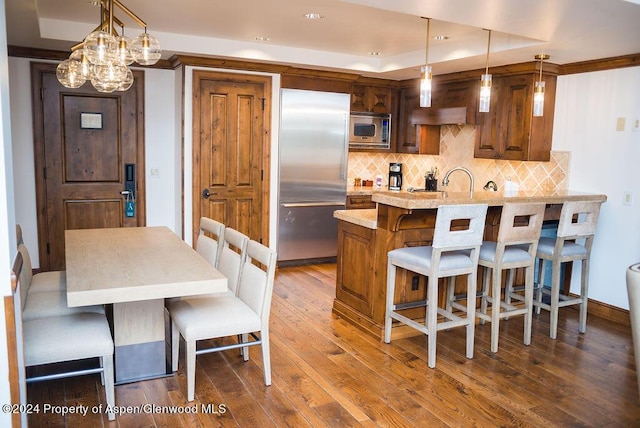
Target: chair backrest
{"x": 468, "y": 230}
{"x": 586, "y": 213}
{"x": 26, "y": 274}
{"x": 256, "y": 281}
{"x": 232, "y": 256}
{"x": 210, "y": 240}
{"x": 513, "y": 229}
{"x": 19, "y": 238}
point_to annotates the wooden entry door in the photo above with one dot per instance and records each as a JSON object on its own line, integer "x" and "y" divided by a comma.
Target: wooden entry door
{"x": 85, "y": 145}
{"x": 231, "y": 151}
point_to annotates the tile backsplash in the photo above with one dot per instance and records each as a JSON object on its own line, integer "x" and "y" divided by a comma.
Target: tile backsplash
{"x": 456, "y": 149}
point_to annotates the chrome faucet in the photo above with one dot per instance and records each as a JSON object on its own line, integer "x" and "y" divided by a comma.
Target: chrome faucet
{"x": 445, "y": 180}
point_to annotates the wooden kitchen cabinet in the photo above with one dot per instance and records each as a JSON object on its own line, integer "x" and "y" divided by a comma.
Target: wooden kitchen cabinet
{"x": 412, "y": 138}
{"x": 355, "y": 202}
{"x": 509, "y": 131}
{"x": 371, "y": 99}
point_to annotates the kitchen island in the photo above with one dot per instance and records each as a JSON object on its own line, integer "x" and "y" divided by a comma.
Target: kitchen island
{"x": 408, "y": 219}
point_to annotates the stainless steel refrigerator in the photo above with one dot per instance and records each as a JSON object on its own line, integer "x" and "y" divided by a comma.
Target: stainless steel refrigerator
{"x": 313, "y": 173}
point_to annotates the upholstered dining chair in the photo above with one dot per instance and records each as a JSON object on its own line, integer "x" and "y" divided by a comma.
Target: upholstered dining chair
{"x": 51, "y": 299}
{"x": 515, "y": 247}
{"x": 246, "y": 314}
{"x": 209, "y": 242}
{"x": 454, "y": 252}
{"x": 59, "y": 339}
{"x": 576, "y": 230}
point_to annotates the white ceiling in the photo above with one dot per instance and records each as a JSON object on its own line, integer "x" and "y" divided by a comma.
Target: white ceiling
{"x": 568, "y": 30}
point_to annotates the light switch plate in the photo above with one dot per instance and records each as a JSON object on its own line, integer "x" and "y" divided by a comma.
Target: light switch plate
{"x": 627, "y": 198}
{"x": 620, "y": 123}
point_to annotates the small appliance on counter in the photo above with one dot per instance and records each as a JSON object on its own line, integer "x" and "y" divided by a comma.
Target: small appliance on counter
{"x": 395, "y": 176}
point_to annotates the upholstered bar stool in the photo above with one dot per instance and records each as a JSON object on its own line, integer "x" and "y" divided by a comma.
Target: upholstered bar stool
{"x": 578, "y": 220}
{"x": 453, "y": 253}
{"x": 520, "y": 226}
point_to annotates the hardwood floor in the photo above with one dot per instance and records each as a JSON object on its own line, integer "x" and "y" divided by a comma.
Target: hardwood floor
{"x": 326, "y": 373}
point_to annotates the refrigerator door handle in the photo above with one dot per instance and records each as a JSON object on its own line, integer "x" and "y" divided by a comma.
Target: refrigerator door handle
{"x": 313, "y": 204}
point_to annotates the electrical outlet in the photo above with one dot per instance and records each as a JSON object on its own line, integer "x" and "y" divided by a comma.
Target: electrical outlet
{"x": 415, "y": 283}
{"x": 635, "y": 125}
{"x": 627, "y": 198}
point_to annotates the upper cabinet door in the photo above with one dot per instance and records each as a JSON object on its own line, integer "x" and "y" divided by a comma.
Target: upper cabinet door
{"x": 371, "y": 99}
{"x": 509, "y": 131}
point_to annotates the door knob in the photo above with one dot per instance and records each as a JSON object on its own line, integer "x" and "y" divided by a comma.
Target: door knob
{"x": 206, "y": 194}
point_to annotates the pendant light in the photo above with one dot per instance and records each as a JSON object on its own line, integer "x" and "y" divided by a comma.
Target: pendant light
{"x": 425, "y": 74}
{"x": 538, "y": 90}
{"x": 103, "y": 58}
{"x": 485, "y": 84}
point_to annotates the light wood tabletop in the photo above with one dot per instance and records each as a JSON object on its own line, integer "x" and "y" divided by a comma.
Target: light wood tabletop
{"x": 135, "y": 269}
{"x": 134, "y": 263}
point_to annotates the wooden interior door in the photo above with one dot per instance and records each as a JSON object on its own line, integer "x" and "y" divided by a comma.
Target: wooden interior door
{"x": 231, "y": 151}
{"x": 85, "y": 143}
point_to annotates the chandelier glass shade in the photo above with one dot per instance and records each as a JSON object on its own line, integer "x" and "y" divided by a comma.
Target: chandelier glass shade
{"x": 103, "y": 58}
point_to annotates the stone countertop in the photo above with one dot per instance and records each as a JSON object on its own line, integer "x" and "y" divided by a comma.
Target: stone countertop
{"x": 426, "y": 200}
{"x": 365, "y": 217}
{"x": 361, "y": 190}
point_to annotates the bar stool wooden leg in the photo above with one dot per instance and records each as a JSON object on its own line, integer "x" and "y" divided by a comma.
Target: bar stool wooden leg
{"x": 472, "y": 282}
{"x": 528, "y": 301}
{"x": 540, "y": 284}
{"x": 555, "y": 298}
{"x": 486, "y": 276}
{"x": 432, "y": 318}
{"x": 391, "y": 288}
{"x": 584, "y": 291}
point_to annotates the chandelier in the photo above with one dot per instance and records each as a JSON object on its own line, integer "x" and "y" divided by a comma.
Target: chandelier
{"x": 104, "y": 56}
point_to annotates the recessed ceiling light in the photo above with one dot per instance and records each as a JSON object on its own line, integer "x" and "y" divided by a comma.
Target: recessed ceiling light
{"x": 440, "y": 37}
{"x": 261, "y": 39}
{"x": 313, "y": 16}
{"x": 374, "y": 53}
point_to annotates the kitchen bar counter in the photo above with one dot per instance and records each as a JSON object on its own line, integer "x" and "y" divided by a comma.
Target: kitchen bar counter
{"x": 408, "y": 219}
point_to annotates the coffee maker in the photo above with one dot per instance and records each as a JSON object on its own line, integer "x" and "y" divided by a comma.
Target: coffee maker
{"x": 395, "y": 176}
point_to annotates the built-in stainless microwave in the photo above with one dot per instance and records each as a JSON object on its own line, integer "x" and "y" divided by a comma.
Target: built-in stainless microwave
{"x": 369, "y": 131}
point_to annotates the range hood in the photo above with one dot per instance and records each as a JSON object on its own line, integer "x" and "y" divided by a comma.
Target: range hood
{"x": 439, "y": 116}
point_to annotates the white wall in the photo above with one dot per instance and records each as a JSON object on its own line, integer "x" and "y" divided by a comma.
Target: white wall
{"x": 604, "y": 161}
{"x": 7, "y": 217}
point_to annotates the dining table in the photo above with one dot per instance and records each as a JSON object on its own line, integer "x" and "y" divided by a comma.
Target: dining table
{"x": 135, "y": 269}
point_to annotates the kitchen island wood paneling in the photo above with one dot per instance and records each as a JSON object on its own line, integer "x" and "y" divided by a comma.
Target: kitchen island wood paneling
{"x": 405, "y": 219}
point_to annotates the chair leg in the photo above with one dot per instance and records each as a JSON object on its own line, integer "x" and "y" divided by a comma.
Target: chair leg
{"x": 191, "y": 369}
{"x": 555, "y": 298}
{"x": 102, "y": 372}
{"x": 584, "y": 293}
{"x": 495, "y": 307}
{"x": 245, "y": 350}
{"x": 486, "y": 276}
{"x": 175, "y": 346}
{"x": 432, "y": 319}
{"x": 528, "y": 302}
{"x": 391, "y": 287}
{"x": 471, "y": 311}
{"x": 107, "y": 362}
{"x": 451, "y": 291}
{"x": 540, "y": 287}
{"x": 266, "y": 356}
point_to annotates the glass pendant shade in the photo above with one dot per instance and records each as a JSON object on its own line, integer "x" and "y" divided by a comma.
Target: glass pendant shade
{"x": 538, "y": 99}
{"x": 145, "y": 49}
{"x": 86, "y": 68}
{"x": 485, "y": 93}
{"x": 100, "y": 47}
{"x": 126, "y": 83}
{"x": 123, "y": 52}
{"x": 425, "y": 86}
{"x": 69, "y": 73}
{"x": 107, "y": 78}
